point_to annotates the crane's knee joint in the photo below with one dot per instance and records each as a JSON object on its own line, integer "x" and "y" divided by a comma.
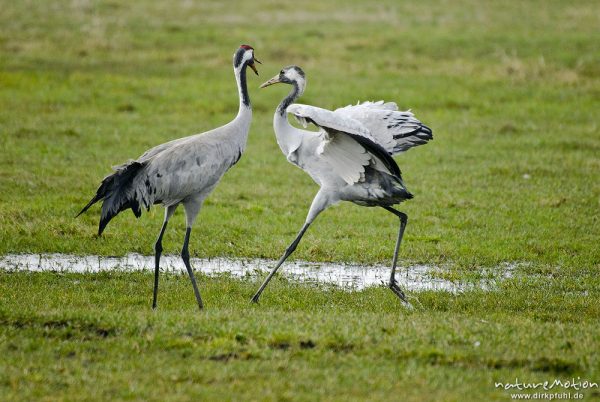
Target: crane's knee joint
{"x": 158, "y": 247}
{"x": 403, "y": 218}
{"x": 185, "y": 254}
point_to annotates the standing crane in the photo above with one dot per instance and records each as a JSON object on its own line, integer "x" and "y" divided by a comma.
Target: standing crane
{"x": 183, "y": 171}
{"x": 350, "y": 158}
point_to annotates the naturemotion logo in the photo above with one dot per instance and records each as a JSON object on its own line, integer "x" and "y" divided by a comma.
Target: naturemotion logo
{"x": 573, "y": 384}
{"x": 561, "y": 389}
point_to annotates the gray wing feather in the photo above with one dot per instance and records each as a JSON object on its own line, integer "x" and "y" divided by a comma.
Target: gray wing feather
{"x": 346, "y": 157}
{"x": 327, "y": 119}
{"x": 186, "y": 167}
{"x": 396, "y": 131}
{"x": 347, "y": 144}
{"x": 149, "y": 154}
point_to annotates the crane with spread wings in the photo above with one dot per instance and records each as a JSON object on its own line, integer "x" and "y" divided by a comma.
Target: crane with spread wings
{"x": 350, "y": 157}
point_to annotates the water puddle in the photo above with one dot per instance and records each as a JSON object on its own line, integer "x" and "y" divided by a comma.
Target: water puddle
{"x": 345, "y": 276}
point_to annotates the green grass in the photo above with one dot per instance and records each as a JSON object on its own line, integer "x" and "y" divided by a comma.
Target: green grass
{"x": 300, "y": 343}
{"x": 511, "y": 90}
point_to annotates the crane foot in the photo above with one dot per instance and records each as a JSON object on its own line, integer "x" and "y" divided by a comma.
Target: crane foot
{"x": 398, "y": 292}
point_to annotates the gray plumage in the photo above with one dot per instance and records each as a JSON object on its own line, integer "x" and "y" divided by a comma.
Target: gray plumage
{"x": 350, "y": 157}
{"x": 182, "y": 171}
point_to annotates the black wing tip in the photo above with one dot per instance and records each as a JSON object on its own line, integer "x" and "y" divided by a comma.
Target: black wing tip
{"x": 423, "y": 132}
{"x": 427, "y": 130}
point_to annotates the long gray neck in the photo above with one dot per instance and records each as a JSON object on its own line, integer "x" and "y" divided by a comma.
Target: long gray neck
{"x": 288, "y": 100}
{"x": 240, "y": 126}
{"x": 240, "y": 77}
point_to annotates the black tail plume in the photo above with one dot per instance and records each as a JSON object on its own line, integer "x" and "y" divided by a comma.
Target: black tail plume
{"x": 116, "y": 193}
{"x": 89, "y": 204}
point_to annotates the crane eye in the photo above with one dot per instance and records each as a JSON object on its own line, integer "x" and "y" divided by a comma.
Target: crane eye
{"x": 282, "y": 72}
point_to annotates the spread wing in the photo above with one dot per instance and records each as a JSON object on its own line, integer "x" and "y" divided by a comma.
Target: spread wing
{"x": 394, "y": 130}
{"x": 326, "y": 118}
{"x": 346, "y": 145}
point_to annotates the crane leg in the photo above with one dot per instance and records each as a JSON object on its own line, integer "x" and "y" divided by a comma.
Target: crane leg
{"x": 321, "y": 201}
{"x": 158, "y": 251}
{"x": 185, "y": 255}
{"x": 393, "y": 285}
{"x": 288, "y": 252}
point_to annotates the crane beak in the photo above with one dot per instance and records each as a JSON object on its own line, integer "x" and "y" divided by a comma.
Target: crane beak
{"x": 272, "y": 81}
{"x": 253, "y": 67}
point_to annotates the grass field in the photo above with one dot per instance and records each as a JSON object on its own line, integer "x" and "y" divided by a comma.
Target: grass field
{"x": 512, "y": 92}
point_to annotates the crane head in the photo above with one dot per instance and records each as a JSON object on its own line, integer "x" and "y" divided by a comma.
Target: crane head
{"x": 245, "y": 56}
{"x": 292, "y": 75}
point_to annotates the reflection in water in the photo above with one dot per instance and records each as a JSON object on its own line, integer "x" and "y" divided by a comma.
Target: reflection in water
{"x": 346, "y": 276}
